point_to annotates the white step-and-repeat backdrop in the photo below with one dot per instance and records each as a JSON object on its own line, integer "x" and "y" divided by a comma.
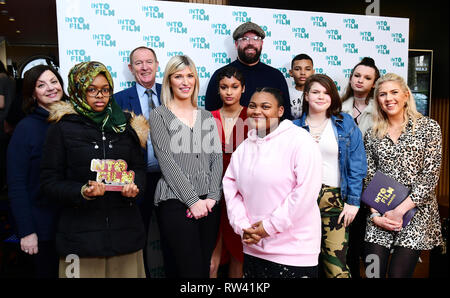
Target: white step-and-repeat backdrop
{"x": 107, "y": 31}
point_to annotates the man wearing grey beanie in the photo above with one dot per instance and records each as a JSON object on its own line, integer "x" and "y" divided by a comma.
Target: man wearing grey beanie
{"x": 248, "y": 39}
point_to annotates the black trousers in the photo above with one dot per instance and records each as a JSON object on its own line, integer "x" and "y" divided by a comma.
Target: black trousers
{"x": 46, "y": 261}
{"x": 259, "y": 268}
{"x": 187, "y": 243}
{"x": 146, "y": 206}
{"x": 146, "y": 203}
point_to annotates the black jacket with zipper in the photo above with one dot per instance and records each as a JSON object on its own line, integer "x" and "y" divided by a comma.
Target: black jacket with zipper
{"x": 108, "y": 225}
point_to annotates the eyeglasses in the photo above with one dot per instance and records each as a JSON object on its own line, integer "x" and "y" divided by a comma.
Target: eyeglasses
{"x": 93, "y": 92}
{"x": 246, "y": 39}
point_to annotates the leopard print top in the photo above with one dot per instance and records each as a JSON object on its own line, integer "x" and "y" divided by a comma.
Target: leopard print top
{"x": 414, "y": 161}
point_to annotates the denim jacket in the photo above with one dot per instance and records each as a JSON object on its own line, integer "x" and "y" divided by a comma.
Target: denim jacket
{"x": 352, "y": 156}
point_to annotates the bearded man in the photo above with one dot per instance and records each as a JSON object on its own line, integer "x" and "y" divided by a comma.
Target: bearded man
{"x": 248, "y": 40}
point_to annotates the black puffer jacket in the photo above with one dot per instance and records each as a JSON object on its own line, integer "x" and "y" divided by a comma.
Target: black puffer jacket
{"x": 106, "y": 226}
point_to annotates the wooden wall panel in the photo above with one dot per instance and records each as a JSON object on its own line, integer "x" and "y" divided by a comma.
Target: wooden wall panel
{"x": 440, "y": 111}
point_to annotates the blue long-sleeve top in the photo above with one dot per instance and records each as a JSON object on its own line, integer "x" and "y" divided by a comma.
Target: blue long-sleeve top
{"x": 23, "y": 167}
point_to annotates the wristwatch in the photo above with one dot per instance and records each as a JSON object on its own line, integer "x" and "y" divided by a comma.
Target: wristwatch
{"x": 375, "y": 214}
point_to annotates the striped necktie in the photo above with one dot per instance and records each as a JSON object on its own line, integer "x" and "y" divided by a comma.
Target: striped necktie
{"x": 151, "y": 104}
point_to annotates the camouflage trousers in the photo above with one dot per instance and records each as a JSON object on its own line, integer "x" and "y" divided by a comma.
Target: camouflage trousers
{"x": 334, "y": 244}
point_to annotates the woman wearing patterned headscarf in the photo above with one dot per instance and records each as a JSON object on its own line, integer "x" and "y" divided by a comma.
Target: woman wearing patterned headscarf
{"x": 102, "y": 228}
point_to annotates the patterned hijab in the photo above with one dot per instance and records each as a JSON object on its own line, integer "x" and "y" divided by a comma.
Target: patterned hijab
{"x": 80, "y": 77}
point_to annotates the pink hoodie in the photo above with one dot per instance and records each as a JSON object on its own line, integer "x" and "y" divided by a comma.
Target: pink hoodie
{"x": 277, "y": 179}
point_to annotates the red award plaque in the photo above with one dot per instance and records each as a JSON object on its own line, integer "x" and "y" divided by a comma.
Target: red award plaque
{"x": 113, "y": 173}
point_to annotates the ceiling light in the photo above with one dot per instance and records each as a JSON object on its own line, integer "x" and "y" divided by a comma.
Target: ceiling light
{"x": 2, "y": 2}
{"x": 11, "y": 19}
{"x": 18, "y": 31}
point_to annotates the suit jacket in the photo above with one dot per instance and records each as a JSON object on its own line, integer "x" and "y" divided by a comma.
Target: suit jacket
{"x": 128, "y": 99}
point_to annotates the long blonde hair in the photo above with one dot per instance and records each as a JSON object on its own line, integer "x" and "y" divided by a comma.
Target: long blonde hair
{"x": 175, "y": 64}
{"x": 380, "y": 119}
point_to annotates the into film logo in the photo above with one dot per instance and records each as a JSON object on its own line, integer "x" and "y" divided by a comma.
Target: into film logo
{"x": 282, "y": 45}
{"x": 338, "y": 86}
{"x": 241, "y": 16}
{"x": 319, "y": 70}
{"x": 398, "y": 38}
{"x": 221, "y": 57}
{"x": 382, "y": 49}
{"x": 201, "y": 101}
{"x": 159, "y": 73}
{"x": 351, "y": 24}
{"x": 350, "y": 48}
{"x": 174, "y": 53}
{"x": 203, "y": 73}
{"x": 397, "y": 62}
{"x": 129, "y": 25}
{"x": 152, "y": 12}
{"x": 383, "y": 26}
{"x": 176, "y": 27}
{"x": 125, "y": 54}
{"x": 104, "y": 40}
{"x": 367, "y": 36}
{"x": 333, "y": 34}
{"x": 281, "y": 19}
{"x": 347, "y": 72}
{"x": 318, "y": 21}
{"x": 73, "y": 267}
{"x": 199, "y": 43}
{"x": 77, "y": 23}
{"x": 126, "y": 84}
{"x": 300, "y": 33}
{"x": 221, "y": 29}
{"x": 102, "y": 9}
{"x": 333, "y": 61}
{"x": 78, "y": 55}
{"x": 198, "y": 14}
{"x": 318, "y": 46}
{"x": 113, "y": 73}
{"x": 153, "y": 41}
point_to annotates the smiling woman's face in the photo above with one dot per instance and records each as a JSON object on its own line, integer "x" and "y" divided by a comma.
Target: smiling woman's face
{"x": 392, "y": 98}
{"x": 263, "y": 112}
{"x": 48, "y": 89}
{"x": 182, "y": 84}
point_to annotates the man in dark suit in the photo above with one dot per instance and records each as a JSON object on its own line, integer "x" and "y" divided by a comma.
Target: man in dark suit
{"x": 141, "y": 99}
